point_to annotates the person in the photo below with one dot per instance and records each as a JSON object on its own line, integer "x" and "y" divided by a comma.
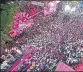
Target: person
{"x": 19, "y": 51}
{"x": 15, "y": 53}
{"x": 5, "y": 65}
{"x": 10, "y": 58}
{"x": 8, "y": 50}
{"x": 1, "y": 60}
{"x": 4, "y": 57}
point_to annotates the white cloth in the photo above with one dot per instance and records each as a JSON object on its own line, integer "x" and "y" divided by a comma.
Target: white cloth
{"x": 4, "y": 64}
{"x": 37, "y": 3}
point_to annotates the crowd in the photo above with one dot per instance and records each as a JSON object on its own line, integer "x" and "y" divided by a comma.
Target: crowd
{"x": 9, "y": 57}
{"x": 53, "y": 38}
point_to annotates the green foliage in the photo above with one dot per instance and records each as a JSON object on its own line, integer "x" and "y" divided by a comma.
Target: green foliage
{"x": 6, "y": 18}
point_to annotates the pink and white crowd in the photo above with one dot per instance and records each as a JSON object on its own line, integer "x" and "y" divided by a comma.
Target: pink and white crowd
{"x": 54, "y": 40}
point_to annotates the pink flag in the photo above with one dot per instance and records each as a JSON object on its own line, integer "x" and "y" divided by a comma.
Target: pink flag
{"x": 63, "y": 67}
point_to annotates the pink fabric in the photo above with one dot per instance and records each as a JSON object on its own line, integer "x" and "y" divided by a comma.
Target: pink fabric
{"x": 33, "y": 10}
{"x": 63, "y": 67}
{"x": 50, "y": 8}
{"x": 27, "y": 56}
{"x": 79, "y": 68}
{"x": 46, "y": 11}
{"x": 14, "y": 67}
{"x": 12, "y": 33}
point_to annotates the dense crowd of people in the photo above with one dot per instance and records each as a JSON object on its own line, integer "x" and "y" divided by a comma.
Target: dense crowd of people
{"x": 54, "y": 38}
